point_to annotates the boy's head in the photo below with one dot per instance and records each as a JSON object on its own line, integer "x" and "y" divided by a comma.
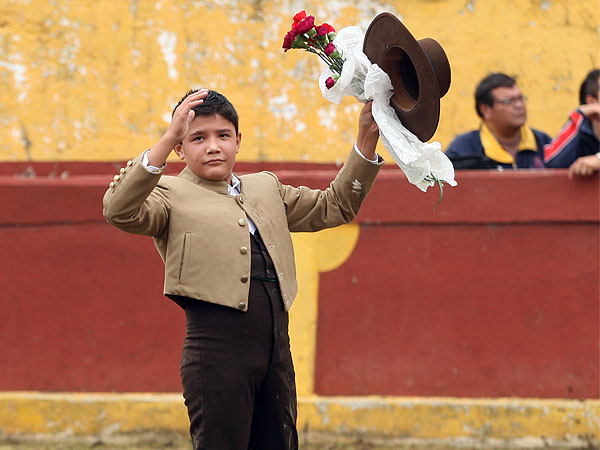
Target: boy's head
{"x": 214, "y": 103}
{"x": 213, "y": 140}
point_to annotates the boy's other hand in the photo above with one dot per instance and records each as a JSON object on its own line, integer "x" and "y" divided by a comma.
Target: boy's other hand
{"x": 368, "y": 132}
{"x": 183, "y": 116}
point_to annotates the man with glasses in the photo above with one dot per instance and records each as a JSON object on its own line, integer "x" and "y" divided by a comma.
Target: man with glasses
{"x": 503, "y": 140}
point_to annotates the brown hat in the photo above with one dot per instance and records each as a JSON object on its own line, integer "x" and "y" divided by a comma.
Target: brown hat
{"x": 419, "y": 71}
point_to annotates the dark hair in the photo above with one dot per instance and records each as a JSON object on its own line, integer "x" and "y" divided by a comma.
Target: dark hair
{"x": 483, "y": 92}
{"x": 589, "y": 86}
{"x": 214, "y": 103}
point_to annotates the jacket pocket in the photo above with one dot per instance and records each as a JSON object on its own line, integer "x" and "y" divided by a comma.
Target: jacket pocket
{"x": 185, "y": 257}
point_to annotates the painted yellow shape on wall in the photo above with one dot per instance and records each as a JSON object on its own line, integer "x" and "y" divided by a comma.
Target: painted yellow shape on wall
{"x": 315, "y": 253}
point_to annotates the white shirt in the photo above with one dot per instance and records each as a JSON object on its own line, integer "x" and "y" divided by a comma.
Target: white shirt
{"x": 234, "y": 189}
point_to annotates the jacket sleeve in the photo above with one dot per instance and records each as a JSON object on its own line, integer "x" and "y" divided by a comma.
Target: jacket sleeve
{"x": 564, "y": 148}
{"x": 314, "y": 209}
{"x": 135, "y": 202}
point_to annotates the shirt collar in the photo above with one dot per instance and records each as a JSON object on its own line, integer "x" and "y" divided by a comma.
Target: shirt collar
{"x": 234, "y": 187}
{"x": 494, "y": 150}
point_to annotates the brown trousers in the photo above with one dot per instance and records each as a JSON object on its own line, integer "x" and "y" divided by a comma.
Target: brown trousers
{"x": 236, "y": 368}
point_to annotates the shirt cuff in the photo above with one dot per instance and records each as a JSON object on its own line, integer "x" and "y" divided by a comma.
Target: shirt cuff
{"x": 374, "y": 161}
{"x": 150, "y": 168}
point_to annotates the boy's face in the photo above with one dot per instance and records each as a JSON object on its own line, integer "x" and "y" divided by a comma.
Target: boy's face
{"x": 210, "y": 147}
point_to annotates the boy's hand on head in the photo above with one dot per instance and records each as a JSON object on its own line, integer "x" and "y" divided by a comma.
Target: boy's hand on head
{"x": 178, "y": 130}
{"x": 183, "y": 116}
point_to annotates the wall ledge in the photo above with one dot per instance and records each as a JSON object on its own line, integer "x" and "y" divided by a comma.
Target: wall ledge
{"x": 475, "y": 421}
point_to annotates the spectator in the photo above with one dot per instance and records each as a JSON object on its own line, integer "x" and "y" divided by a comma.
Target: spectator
{"x": 577, "y": 146}
{"x": 503, "y": 139}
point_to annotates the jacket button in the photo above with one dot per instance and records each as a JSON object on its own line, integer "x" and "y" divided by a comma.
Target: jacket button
{"x": 129, "y": 163}
{"x": 112, "y": 184}
{"x": 240, "y": 198}
{"x": 243, "y": 250}
{"x": 244, "y": 278}
{"x": 116, "y": 178}
{"x": 242, "y": 306}
{"x": 242, "y": 222}
{"x": 122, "y": 170}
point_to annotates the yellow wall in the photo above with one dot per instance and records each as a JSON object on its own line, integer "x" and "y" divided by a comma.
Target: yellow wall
{"x": 95, "y": 80}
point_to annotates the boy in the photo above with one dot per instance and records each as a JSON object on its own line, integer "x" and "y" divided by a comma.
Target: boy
{"x": 229, "y": 262}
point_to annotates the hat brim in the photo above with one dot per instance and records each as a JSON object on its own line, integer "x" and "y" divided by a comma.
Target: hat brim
{"x": 416, "y": 99}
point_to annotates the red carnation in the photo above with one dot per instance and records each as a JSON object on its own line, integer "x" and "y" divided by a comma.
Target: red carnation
{"x": 306, "y": 25}
{"x": 329, "y": 49}
{"x": 288, "y": 39}
{"x": 324, "y": 29}
{"x": 299, "y": 17}
{"x": 329, "y": 83}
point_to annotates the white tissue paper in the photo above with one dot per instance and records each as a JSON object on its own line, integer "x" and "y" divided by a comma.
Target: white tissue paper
{"x": 365, "y": 81}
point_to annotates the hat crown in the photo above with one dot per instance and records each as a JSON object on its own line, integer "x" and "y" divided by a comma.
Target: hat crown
{"x": 397, "y": 63}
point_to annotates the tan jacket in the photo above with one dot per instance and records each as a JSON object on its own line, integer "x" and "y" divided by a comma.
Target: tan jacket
{"x": 202, "y": 233}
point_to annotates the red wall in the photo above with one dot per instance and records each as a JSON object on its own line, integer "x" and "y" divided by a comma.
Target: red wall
{"x": 495, "y": 293}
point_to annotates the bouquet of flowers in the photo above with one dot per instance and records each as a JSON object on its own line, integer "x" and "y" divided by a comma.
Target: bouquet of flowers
{"x": 317, "y": 39}
{"x": 348, "y": 71}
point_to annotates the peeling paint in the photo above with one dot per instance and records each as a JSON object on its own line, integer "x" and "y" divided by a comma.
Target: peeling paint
{"x": 18, "y": 72}
{"x": 167, "y": 41}
{"x": 281, "y": 107}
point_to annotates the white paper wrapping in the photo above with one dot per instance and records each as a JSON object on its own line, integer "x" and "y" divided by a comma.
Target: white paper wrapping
{"x": 366, "y": 81}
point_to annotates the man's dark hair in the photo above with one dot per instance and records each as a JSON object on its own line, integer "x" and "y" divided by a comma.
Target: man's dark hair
{"x": 589, "y": 86}
{"x": 214, "y": 103}
{"x": 483, "y": 92}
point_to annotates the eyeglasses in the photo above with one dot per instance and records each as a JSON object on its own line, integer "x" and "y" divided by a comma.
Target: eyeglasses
{"x": 509, "y": 101}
